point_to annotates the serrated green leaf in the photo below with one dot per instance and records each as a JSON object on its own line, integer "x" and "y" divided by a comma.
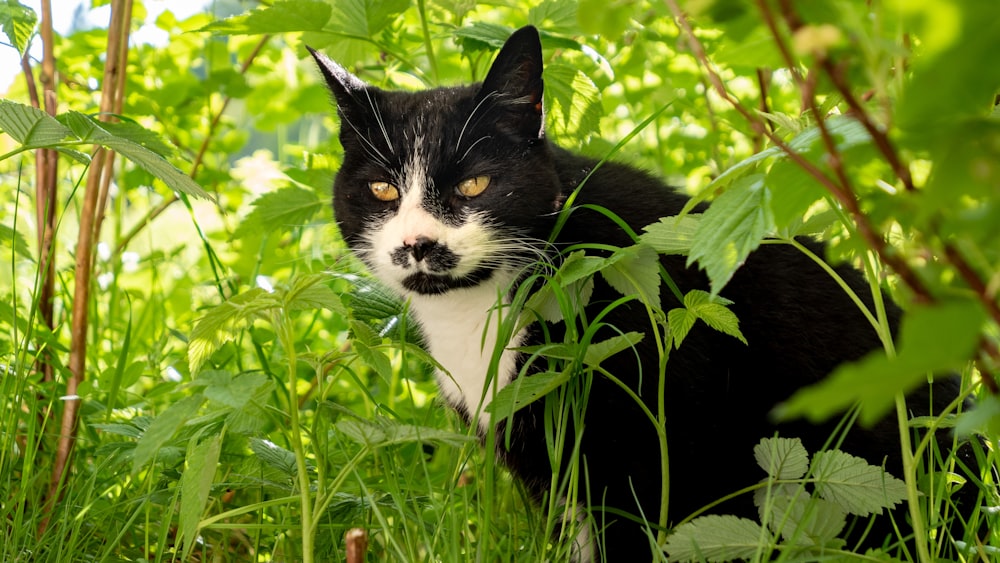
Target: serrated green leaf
{"x": 281, "y": 210}
{"x": 845, "y": 131}
{"x": 133, "y": 132}
{"x": 546, "y": 304}
{"x": 482, "y": 35}
{"x": 802, "y": 520}
{"x": 274, "y": 456}
{"x": 635, "y": 269}
{"x": 311, "y": 292}
{"x": 17, "y": 21}
{"x": 671, "y": 235}
{"x": 782, "y": 458}
{"x": 597, "y": 352}
{"x": 523, "y": 391}
{"x": 232, "y": 391}
{"x": 374, "y": 358}
{"x": 91, "y": 131}
{"x": 219, "y": 323}
{"x": 854, "y": 485}
{"x": 578, "y": 266}
{"x": 381, "y": 433}
{"x": 680, "y": 321}
{"x": 163, "y": 429}
{"x": 362, "y": 432}
{"x": 15, "y": 241}
{"x": 737, "y": 170}
{"x": 196, "y": 484}
{"x": 281, "y": 17}
{"x": 720, "y": 318}
{"x": 574, "y": 102}
{"x": 932, "y": 339}
{"x": 374, "y": 304}
{"x": 714, "y": 538}
{"x": 30, "y": 126}
{"x": 119, "y": 429}
{"x": 711, "y": 309}
{"x": 732, "y": 227}
{"x": 794, "y": 192}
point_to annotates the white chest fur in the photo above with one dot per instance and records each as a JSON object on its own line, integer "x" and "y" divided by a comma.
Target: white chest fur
{"x": 461, "y": 328}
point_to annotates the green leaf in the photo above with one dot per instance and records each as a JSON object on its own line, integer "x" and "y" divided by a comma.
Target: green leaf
{"x": 132, "y": 131}
{"x": 573, "y": 101}
{"x": 546, "y": 302}
{"x": 480, "y": 36}
{"x": 387, "y": 433}
{"x": 281, "y": 210}
{"x": 196, "y": 484}
{"x": 635, "y": 269}
{"x": 680, "y": 321}
{"x": 782, "y": 458}
{"x": 597, "y": 352}
{"x": 737, "y": 170}
{"x": 18, "y": 23}
{"x": 794, "y": 191}
{"x": 91, "y": 131}
{"x": 375, "y": 305}
{"x": 711, "y": 309}
{"x": 933, "y": 339}
{"x": 219, "y": 323}
{"x": 672, "y": 235}
{"x": 731, "y": 228}
{"x": 163, "y": 429}
{"x": 374, "y": 358}
{"x": 714, "y": 538}
{"x": 578, "y": 266}
{"x": 523, "y": 391}
{"x": 802, "y": 520}
{"x": 15, "y": 241}
{"x": 30, "y": 126}
{"x": 232, "y": 391}
{"x": 854, "y": 485}
{"x": 310, "y": 292}
{"x": 274, "y": 456}
{"x": 281, "y": 17}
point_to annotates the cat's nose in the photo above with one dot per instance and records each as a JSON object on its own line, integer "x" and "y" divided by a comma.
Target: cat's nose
{"x": 421, "y": 247}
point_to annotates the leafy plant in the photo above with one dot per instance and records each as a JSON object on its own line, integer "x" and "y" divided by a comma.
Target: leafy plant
{"x": 802, "y": 525}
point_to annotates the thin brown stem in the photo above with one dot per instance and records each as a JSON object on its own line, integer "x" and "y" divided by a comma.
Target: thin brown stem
{"x": 878, "y": 135}
{"x": 971, "y": 277}
{"x": 46, "y": 172}
{"x": 846, "y": 198}
{"x": 86, "y": 240}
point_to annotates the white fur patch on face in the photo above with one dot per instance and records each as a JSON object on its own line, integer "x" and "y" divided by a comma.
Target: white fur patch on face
{"x": 461, "y": 325}
{"x": 411, "y": 222}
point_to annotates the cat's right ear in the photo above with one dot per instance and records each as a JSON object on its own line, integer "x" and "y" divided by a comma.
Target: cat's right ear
{"x": 344, "y": 85}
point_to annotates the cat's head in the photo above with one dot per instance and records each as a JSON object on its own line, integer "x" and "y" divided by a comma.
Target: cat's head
{"x": 446, "y": 188}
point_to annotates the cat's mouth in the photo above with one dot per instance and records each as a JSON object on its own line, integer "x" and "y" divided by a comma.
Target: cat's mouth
{"x": 435, "y": 284}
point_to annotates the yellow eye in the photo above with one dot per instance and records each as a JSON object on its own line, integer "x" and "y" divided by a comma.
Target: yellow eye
{"x": 472, "y": 187}
{"x": 384, "y": 191}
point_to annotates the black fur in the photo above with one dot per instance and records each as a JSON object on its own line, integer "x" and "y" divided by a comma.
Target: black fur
{"x": 799, "y": 324}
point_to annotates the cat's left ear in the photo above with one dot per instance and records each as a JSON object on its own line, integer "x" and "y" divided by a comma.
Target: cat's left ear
{"x": 342, "y": 83}
{"x": 515, "y": 79}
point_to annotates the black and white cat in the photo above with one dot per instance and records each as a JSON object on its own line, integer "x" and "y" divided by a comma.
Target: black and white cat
{"x": 449, "y": 196}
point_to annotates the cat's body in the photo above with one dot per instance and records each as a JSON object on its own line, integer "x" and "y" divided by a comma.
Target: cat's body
{"x": 449, "y": 195}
